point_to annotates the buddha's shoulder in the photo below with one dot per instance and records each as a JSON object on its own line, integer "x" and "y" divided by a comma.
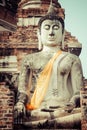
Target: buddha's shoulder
{"x": 71, "y": 56}
{"x": 33, "y": 57}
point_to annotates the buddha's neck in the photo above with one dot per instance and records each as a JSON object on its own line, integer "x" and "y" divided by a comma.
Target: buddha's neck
{"x": 51, "y": 49}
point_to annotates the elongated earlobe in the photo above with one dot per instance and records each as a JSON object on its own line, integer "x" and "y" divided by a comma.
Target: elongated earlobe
{"x": 63, "y": 40}
{"x": 39, "y": 41}
{"x": 40, "y": 45}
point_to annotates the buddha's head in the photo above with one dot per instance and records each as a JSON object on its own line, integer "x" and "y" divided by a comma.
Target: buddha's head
{"x": 51, "y": 29}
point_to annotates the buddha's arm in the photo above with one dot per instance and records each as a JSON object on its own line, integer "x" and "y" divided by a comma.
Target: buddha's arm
{"x": 22, "y": 97}
{"x": 22, "y": 86}
{"x": 76, "y": 80}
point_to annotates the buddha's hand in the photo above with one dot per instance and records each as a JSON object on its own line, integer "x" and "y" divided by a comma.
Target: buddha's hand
{"x": 69, "y": 107}
{"x": 19, "y": 110}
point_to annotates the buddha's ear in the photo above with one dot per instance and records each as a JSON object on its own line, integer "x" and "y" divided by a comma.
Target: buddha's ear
{"x": 63, "y": 40}
{"x": 39, "y": 40}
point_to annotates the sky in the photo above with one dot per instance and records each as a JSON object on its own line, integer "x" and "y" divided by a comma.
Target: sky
{"x": 76, "y": 23}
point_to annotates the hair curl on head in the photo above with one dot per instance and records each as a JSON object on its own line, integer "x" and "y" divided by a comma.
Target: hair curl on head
{"x": 51, "y": 16}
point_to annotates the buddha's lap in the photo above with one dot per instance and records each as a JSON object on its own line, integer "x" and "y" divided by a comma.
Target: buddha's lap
{"x": 58, "y": 118}
{"x": 41, "y": 114}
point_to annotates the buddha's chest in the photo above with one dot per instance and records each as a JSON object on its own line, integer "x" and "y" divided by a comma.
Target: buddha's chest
{"x": 40, "y": 62}
{"x": 65, "y": 65}
{"x": 62, "y": 64}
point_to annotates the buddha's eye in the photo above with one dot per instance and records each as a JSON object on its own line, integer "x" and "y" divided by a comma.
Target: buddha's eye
{"x": 47, "y": 27}
{"x": 56, "y": 27}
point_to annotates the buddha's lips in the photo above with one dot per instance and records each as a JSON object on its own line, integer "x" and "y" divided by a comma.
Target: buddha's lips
{"x": 51, "y": 39}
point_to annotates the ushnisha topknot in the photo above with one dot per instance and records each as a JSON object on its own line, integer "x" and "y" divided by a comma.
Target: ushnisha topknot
{"x": 51, "y": 15}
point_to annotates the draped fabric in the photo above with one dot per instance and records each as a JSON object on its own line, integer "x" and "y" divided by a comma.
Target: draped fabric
{"x": 42, "y": 84}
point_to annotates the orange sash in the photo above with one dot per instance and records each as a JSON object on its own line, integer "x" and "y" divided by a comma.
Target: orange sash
{"x": 42, "y": 84}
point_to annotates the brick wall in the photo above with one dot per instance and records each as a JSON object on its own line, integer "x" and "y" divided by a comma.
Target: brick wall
{"x": 6, "y": 107}
{"x": 84, "y": 109}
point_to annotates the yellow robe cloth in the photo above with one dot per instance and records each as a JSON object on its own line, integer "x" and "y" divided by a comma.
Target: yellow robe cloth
{"x": 42, "y": 84}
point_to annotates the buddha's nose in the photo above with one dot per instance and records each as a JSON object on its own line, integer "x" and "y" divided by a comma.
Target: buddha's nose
{"x": 51, "y": 33}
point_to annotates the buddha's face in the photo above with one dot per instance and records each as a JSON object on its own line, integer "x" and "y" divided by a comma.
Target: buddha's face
{"x": 51, "y": 33}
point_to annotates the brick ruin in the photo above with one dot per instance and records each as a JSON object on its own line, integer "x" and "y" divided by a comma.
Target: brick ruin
{"x": 6, "y": 107}
{"x": 18, "y": 43}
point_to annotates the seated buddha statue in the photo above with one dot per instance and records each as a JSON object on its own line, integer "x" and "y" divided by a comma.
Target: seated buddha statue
{"x": 51, "y": 78}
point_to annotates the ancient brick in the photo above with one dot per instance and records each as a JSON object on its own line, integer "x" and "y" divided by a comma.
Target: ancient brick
{"x": 6, "y": 111}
